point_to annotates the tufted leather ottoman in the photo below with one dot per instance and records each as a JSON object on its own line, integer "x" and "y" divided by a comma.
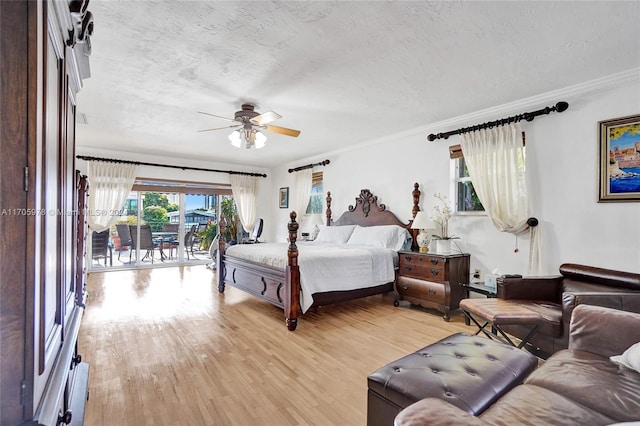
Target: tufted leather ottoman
{"x": 470, "y": 372}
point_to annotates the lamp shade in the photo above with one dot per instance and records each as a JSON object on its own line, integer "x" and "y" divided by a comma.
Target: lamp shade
{"x": 421, "y": 221}
{"x": 260, "y": 140}
{"x": 248, "y": 137}
{"x": 234, "y": 137}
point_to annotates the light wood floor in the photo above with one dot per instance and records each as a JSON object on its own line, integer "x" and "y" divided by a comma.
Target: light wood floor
{"x": 165, "y": 348}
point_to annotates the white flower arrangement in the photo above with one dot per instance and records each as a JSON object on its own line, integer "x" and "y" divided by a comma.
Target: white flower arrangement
{"x": 441, "y": 216}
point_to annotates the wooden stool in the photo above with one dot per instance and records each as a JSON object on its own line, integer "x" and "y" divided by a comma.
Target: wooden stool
{"x": 498, "y": 312}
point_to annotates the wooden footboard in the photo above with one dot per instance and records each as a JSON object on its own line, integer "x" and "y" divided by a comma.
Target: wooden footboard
{"x": 292, "y": 277}
{"x": 281, "y": 288}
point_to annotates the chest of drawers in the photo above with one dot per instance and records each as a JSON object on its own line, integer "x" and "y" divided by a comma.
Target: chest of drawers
{"x": 432, "y": 280}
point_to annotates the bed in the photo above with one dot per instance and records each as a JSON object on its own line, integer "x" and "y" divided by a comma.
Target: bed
{"x": 353, "y": 257}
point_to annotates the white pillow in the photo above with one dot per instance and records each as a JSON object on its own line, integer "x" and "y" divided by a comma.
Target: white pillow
{"x": 630, "y": 358}
{"x": 392, "y": 237}
{"x": 334, "y": 234}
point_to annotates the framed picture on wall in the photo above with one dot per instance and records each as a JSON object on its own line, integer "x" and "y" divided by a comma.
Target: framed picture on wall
{"x": 284, "y": 197}
{"x": 620, "y": 159}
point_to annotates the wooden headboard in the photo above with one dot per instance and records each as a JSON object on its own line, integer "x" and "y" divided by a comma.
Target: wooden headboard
{"x": 367, "y": 211}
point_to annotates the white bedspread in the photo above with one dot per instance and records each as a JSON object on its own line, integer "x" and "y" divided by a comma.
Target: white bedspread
{"x": 326, "y": 267}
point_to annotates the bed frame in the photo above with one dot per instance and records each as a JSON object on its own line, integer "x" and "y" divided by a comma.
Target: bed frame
{"x": 282, "y": 287}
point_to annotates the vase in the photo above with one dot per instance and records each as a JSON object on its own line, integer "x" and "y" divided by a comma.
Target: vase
{"x": 443, "y": 246}
{"x": 423, "y": 239}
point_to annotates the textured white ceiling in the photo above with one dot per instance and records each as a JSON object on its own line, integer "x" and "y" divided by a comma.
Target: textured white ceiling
{"x": 342, "y": 72}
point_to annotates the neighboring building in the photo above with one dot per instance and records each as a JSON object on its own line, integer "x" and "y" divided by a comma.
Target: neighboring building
{"x": 192, "y": 216}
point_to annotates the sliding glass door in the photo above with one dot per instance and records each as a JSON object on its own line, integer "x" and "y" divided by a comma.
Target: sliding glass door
{"x": 158, "y": 228}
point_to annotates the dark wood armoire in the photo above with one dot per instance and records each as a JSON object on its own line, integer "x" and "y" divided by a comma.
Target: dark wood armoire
{"x": 44, "y": 53}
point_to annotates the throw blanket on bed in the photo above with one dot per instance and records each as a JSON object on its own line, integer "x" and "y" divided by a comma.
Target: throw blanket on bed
{"x": 326, "y": 267}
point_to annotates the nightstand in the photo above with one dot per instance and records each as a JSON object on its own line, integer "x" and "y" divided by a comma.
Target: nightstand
{"x": 432, "y": 280}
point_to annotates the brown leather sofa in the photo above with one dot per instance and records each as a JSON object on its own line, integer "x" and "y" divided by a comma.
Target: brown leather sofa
{"x": 556, "y": 298}
{"x": 576, "y": 386}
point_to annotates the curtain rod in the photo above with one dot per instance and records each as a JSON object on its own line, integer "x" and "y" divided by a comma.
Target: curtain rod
{"x": 309, "y": 166}
{"x": 529, "y": 116}
{"x": 142, "y": 163}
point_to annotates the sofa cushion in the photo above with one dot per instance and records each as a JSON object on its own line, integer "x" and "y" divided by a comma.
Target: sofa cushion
{"x": 435, "y": 412}
{"x": 592, "y": 381}
{"x": 593, "y": 274}
{"x": 534, "y": 405}
{"x": 603, "y": 331}
{"x": 551, "y": 313}
{"x": 575, "y": 286}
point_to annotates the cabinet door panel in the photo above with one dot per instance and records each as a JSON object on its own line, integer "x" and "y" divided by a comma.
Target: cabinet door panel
{"x": 69, "y": 216}
{"x": 48, "y": 226}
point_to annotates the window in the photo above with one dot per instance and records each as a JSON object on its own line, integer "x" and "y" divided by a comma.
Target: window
{"x": 467, "y": 200}
{"x": 315, "y": 201}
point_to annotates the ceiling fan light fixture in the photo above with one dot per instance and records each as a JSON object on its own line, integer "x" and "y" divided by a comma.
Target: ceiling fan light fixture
{"x": 250, "y": 125}
{"x": 260, "y": 140}
{"x": 234, "y": 137}
{"x": 248, "y": 136}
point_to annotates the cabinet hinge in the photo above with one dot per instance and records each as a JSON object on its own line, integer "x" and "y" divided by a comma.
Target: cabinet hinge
{"x": 26, "y": 179}
{"x": 23, "y": 391}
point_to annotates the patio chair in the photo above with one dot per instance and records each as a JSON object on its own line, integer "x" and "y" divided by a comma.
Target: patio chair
{"x": 188, "y": 241}
{"x": 100, "y": 247}
{"x": 125, "y": 238}
{"x": 146, "y": 240}
{"x": 213, "y": 252}
{"x": 197, "y": 239}
{"x": 170, "y": 241}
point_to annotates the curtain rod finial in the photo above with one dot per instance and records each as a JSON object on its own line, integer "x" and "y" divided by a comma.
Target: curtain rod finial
{"x": 431, "y": 137}
{"x": 562, "y": 106}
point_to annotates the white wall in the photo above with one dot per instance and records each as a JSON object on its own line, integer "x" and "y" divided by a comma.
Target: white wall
{"x": 562, "y": 161}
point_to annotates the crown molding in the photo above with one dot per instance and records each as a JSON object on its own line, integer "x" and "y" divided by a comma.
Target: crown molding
{"x": 538, "y": 101}
{"x": 534, "y": 102}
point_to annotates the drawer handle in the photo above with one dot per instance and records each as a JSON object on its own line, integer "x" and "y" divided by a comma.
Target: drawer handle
{"x": 407, "y": 258}
{"x": 431, "y": 291}
{"x": 434, "y": 261}
{"x": 405, "y": 287}
{"x": 407, "y": 268}
{"x": 434, "y": 271}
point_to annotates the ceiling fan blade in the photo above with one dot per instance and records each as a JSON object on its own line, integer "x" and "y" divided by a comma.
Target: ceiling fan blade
{"x": 283, "y": 130}
{"x": 217, "y": 116}
{"x": 266, "y": 117}
{"x": 220, "y": 128}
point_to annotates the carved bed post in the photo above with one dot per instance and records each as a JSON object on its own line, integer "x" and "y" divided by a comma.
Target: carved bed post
{"x": 222, "y": 245}
{"x": 416, "y": 199}
{"x": 292, "y": 277}
{"x": 328, "y": 212}
{"x": 416, "y": 208}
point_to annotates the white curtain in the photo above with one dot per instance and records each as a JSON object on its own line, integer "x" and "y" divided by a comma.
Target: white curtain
{"x": 496, "y": 161}
{"x": 302, "y": 192}
{"x": 244, "y": 189}
{"x": 109, "y": 186}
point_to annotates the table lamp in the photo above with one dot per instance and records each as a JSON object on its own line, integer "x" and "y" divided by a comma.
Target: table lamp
{"x": 422, "y": 222}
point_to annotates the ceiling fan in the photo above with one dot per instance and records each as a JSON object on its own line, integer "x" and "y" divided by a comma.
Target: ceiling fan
{"x": 248, "y": 124}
